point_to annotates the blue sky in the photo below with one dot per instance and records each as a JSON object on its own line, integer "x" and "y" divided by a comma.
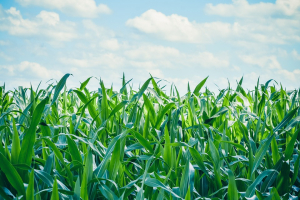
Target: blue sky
{"x": 177, "y": 41}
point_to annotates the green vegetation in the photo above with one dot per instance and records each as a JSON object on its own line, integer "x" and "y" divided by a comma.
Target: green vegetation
{"x": 105, "y": 144}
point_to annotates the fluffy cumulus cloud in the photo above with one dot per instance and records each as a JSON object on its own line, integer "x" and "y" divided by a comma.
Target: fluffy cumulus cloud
{"x": 178, "y": 28}
{"x": 80, "y": 8}
{"x": 208, "y": 60}
{"x": 276, "y": 23}
{"x": 45, "y": 24}
{"x": 3, "y": 43}
{"x": 146, "y": 56}
{"x": 5, "y": 57}
{"x": 262, "y": 22}
{"x": 152, "y": 52}
{"x": 290, "y": 75}
{"x": 248, "y": 39}
{"x": 242, "y": 9}
{"x": 26, "y": 72}
{"x": 288, "y": 79}
{"x": 295, "y": 54}
{"x": 29, "y": 69}
{"x": 110, "y": 44}
{"x": 168, "y": 57}
{"x": 93, "y": 31}
{"x": 108, "y": 60}
{"x": 269, "y": 62}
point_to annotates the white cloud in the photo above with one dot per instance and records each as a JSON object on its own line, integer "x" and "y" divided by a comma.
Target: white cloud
{"x": 177, "y": 28}
{"x": 242, "y": 8}
{"x": 4, "y": 43}
{"x": 75, "y": 62}
{"x": 252, "y": 23}
{"x": 269, "y": 62}
{"x": 93, "y": 31}
{"x": 262, "y": 22}
{"x": 290, "y": 75}
{"x": 110, "y": 44}
{"x": 5, "y": 57}
{"x": 146, "y": 56}
{"x": 107, "y": 60}
{"x": 279, "y": 52}
{"x": 80, "y": 8}
{"x": 45, "y": 24}
{"x": 158, "y": 55}
{"x": 289, "y": 79}
{"x": 152, "y": 52}
{"x": 143, "y": 64}
{"x": 49, "y": 18}
{"x": 296, "y": 54}
{"x": 236, "y": 68}
{"x": 207, "y": 59}
{"x": 28, "y": 70}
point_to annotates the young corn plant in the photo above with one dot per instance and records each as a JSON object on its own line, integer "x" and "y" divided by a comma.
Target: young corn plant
{"x": 111, "y": 144}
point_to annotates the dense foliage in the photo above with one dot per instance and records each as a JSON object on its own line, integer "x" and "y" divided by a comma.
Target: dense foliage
{"x": 105, "y": 144}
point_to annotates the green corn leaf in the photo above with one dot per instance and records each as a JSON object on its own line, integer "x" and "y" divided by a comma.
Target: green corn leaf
{"x": 285, "y": 120}
{"x": 232, "y": 189}
{"x": 115, "y": 161}
{"x": 58, "y": 154}
{"x": 151, "y": 182}
{"x": 117, "y": 108}
{"x": 162, "y": 114}
{"x": 142, "y": 140}
{"x": 271, "y": 178}
{"x": 83, "y": 85}
{"x": 99, "y": 171}
{"x": 185, "y": 179}
{"x": 104, "y": 104}
{"x": 199, "y": 86}
{"x": 30, "y": 134}
{"x": 261, "y": 153}
{"x": 77, "y": 189}
{"x": 12, "y": 175}
{"x": 274, "y": 194}
{"x": 220, "y": 112}
{"x": 296, "y": 170}
{"x": 86, "y": 176}
{"x": 188, "y": 195}
{"x": 275, "y": 151}
{"x": 293, "y": 123}
{"x": 284, "y": 179}
{"x": 55, "y": 195}
{"x": 157, "y": 89}
{"x": 142, "y": 90}
{"x": 290, "y": 146}
{"x": 15, "y": 149}
{"x": 74, "y": 150}
{"x": 238, "y": 146}
{"x": 30, "y": 188}
{"x": 150, "y": 108}
{"x": 111, "y": 144}
{"x": 251, "y": 189}
{"x": 216, "y": 162}
{"x": 93, "y": 112}
{"x": 197, "y": 158}
{"x": 167, "y": 153}
{"x": 5, "y": 194}
{"x": 59, "y": 87}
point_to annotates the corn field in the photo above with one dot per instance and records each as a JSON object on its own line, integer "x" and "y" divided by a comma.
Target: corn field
{"x": 59, "y": 143}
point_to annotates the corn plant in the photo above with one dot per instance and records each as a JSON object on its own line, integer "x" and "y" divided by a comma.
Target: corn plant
{"x": 59, "y": 143}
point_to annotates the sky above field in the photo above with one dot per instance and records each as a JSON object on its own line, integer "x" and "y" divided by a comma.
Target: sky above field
{"x": 177, "y": 41}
